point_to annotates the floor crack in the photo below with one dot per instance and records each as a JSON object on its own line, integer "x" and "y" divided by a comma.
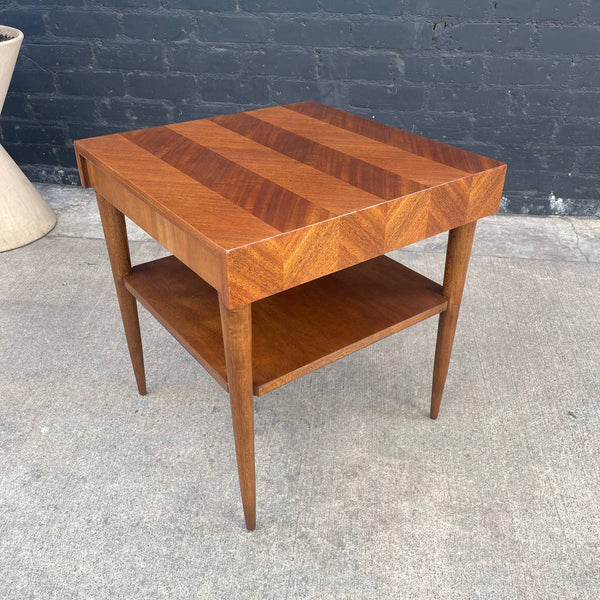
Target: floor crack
{"x": 578, "y": 239}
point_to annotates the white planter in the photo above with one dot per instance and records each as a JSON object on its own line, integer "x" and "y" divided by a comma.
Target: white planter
{"x": 24, "y": 216}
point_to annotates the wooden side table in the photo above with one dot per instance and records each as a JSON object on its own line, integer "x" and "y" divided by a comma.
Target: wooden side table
{"x": 278, "y": 221}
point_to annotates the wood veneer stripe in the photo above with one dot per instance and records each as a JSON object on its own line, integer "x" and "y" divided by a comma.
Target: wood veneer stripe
{"x": 436, "y": 151}
{"x": 266, "y": 200}
{"x": 183, "y": 200}
{"x": 359, "y": 173}
{"x": 322, "y": 189}
{"x": 400, "y": 161}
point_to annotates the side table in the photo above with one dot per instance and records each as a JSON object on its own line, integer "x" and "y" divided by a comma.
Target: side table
{"x": 278, "y": 221}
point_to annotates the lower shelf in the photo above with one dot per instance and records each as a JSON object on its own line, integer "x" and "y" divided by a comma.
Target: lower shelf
{"x": 296, "y": 331}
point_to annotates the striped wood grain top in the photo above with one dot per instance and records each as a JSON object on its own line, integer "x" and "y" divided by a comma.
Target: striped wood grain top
{"x": 262, "y": 201}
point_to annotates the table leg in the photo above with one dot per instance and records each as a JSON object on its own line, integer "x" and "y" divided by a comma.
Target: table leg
{"x": 237, "y": 338}
{"x": 115, "y": 233}
{"x": 460, "y": 241}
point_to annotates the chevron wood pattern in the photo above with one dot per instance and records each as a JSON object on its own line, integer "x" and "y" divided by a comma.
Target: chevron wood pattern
{"x": 283, "y": 195}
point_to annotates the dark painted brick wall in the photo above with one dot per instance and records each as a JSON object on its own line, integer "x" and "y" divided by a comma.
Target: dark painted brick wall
{"x": 518, "y": 80}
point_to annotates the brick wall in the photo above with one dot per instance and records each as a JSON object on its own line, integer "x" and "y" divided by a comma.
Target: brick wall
{"x": 518, "y": 80}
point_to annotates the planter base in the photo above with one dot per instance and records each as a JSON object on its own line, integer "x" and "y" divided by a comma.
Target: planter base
{"x": 24, "y": 215}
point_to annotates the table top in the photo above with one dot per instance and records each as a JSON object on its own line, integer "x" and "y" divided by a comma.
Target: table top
{"x": 285, "y": 194}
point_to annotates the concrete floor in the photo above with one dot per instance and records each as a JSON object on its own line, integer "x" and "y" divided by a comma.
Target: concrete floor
{"x": 106, "y": 494}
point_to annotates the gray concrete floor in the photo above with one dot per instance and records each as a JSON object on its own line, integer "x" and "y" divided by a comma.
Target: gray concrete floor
{"x": 106, "y": 494}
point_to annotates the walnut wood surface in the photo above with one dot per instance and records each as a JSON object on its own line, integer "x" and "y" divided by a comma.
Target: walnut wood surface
{"x": 296, "y": 331}
{"x": 259, "y": 202}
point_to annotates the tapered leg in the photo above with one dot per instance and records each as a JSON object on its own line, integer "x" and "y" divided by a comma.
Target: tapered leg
{"x": 237, "y": 337}
{"x": 115, "y": 233}
{"x": 460, "y": 241}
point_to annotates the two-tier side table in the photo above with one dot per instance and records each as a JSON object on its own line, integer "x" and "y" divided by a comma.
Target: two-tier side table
{"x": 278, "y": 221}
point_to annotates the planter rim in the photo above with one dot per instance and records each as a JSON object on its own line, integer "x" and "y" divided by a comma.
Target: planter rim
{"x": 17, "y": 35}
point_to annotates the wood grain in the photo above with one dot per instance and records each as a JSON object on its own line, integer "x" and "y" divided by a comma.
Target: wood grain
{"x": 423, "y": 171}
{"x": 460, "y": 241}
{"x": 415, "y": 144}
{"x": 237, "y": 339}
{"x": 115, "y": 234}
{"x": 362, "y": 174}
{"x": 258, "y": 202}
{"x": 296, "y": 331}
{"x": 268, "y": 201}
